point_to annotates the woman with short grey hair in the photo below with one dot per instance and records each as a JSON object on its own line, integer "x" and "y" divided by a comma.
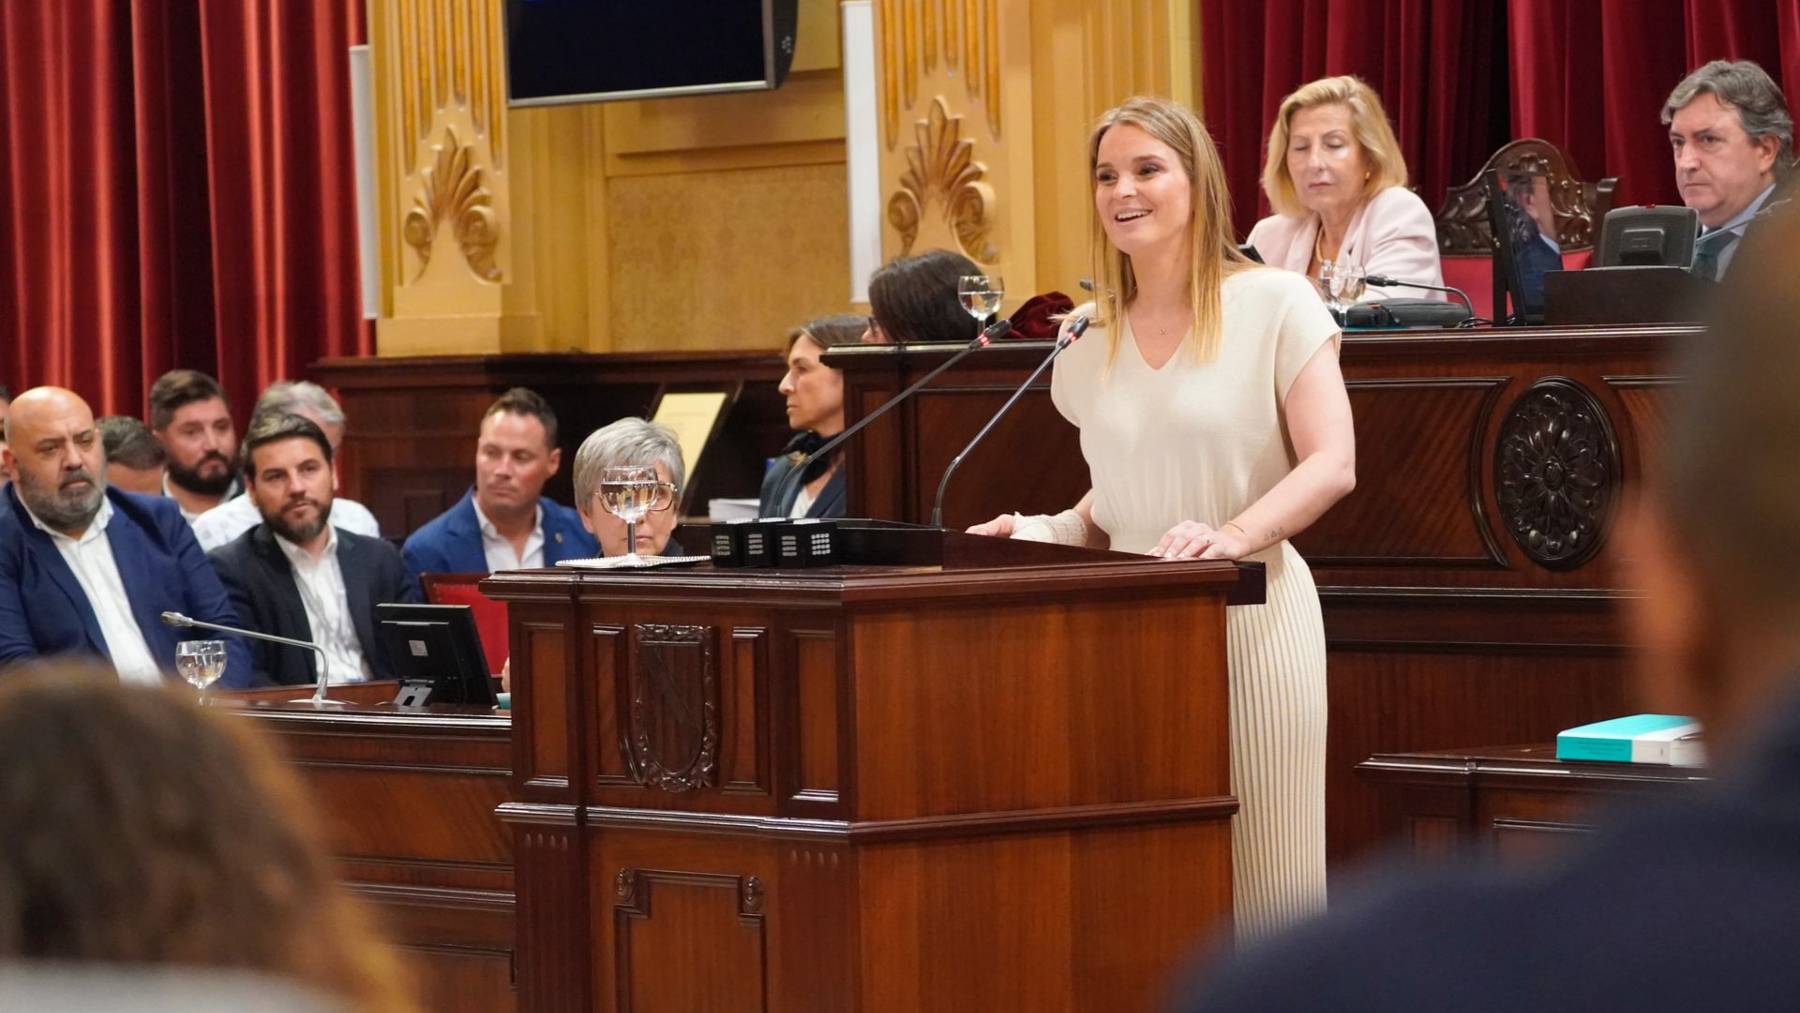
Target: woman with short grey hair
{"x": 631, "y": 441}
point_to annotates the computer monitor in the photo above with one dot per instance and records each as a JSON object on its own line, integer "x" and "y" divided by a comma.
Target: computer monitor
{"x": 1521, "y": 257}
{"x": 437, "y": 654}
{"x": 1658, "y": 236}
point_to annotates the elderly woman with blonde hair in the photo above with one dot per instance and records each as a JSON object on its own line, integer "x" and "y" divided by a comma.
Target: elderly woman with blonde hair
{"x": 1337, "y": 183}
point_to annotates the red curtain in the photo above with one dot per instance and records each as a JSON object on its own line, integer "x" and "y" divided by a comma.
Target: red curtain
{"x": 179, "y": 187}
{"x": 1592, "y": 75}
{"x": 1439, "y": 66}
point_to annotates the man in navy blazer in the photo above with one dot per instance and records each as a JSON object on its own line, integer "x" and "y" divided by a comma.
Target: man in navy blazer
{"x": 297, "y": 575}
{"x": 504, "y": 523}
{"x": 89, "y": 570}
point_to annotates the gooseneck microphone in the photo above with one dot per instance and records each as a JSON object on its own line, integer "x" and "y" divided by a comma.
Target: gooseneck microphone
{"x": 318, "y": 699}
{"x": 1383, "y": 281}
{"x": 1077, "y": 325}
{"x": 994, "y": 332}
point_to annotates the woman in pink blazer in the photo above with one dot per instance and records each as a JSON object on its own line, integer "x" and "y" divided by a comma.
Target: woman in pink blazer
{"x": 1337, "y": 182}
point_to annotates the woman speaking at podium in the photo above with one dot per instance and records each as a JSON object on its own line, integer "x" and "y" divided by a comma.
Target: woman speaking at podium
{"x": 1215, "y": 425}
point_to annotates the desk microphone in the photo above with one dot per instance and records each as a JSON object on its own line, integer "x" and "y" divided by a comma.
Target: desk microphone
{"x": 180, "y": 621}
{"x": 1077, "y": 325}
{"x": 996, "y": 330}
{"x": 1383, "y": 281}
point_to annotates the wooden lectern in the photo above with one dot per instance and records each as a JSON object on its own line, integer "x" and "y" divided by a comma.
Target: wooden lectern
{"x": 957, "y": 787}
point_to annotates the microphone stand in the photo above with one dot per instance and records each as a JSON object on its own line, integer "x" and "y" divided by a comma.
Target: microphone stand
{"x": 993, "y": 332}
{"x": 1383, "y": 281}
{"x": 1067, "y": 338}
{"x": 318, "y": 698}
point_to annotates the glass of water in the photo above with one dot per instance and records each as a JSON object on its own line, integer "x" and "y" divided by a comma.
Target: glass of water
{"x": 629, "y": 491}
{"x": 1342, "y": 283}
{"x": 201, "y": 663}
{"x": 980, "y": 295}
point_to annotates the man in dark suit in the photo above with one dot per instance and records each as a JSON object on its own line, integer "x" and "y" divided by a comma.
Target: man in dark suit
{"x": 504, "y": 522}
{"x": 89, "y": 570}
{"x": 297, "y": 576}
{"x": 1688, "y": 905}
{"x": 1733, "y": 140}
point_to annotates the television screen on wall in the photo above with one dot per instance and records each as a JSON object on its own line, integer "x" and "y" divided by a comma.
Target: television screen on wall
{"x": 562, "y": 51}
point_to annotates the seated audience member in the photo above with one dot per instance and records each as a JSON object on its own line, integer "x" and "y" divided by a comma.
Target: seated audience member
{"x": 631, "y": 441}
{"x": 815, "y": 406}
{"x": 310, "y": 401}
{"x": 5, "y": 400}
{"x": 145, "y": 834}
{"x": 1682, "y": 905}
{"x": 134, "y": 460}
{"x": 1733, "y": 140}
{"x": 504, "y": 522}
{"x": 89, "y": 570}
{"x": 914, "y": 299}
{"x": 1337, "y": 182}
{"x": 296, "y": 574}
{"x": 193, "y": 423}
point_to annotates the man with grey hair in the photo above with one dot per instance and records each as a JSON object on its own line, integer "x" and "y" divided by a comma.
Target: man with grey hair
{"x": 223, "y": 523}
{"x": 631, "y": 441}
{"x": 1733, "y": 141}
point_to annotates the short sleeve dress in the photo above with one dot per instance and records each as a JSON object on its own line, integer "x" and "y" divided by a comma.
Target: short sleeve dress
{"x": 1202, "y": 441}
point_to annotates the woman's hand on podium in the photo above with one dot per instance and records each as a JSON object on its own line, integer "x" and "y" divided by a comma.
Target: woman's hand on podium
{"x": 1194, "y": 540}
{"x": 1000, "y": 527}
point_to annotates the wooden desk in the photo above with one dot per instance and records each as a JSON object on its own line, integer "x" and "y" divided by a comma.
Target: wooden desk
{"x": 1510, "y": 801}
{"x": 868, "y": 788}
{"x": 409, "y": 804}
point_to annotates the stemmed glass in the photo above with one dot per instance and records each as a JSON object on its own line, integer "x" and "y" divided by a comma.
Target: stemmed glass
{"x": 1342, "y": 284}
{"x": 201, "y": 663}
{"x": 980, "y": 295}
{"x": 630, "y": 491}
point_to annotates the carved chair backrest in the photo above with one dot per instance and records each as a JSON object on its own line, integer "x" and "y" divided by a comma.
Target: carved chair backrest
{"x": 1462, "y": 223}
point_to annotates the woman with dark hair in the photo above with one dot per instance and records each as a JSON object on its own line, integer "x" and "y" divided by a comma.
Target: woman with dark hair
{"x": 914, "y": 299}
{"x": 142, "y": 832}
{"x": 815, "y": 407}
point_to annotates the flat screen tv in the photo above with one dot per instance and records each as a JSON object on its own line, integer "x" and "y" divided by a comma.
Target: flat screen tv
{"x": 564, "y": 51}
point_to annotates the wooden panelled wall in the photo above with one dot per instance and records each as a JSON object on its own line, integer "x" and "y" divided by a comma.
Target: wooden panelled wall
{"x": 718, "y": 222}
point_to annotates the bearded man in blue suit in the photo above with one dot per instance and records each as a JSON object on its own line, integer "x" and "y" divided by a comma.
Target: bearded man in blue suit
{"x": 89, "y": 570}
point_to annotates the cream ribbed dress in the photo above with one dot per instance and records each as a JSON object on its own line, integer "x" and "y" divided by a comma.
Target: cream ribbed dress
{"x": 1202, "y": 441}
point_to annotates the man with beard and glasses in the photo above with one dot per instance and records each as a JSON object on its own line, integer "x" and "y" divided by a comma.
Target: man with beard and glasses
{"x": 297, "y": 575}
{"x": 191, "y": 420}
{"x": 85, "y": 569}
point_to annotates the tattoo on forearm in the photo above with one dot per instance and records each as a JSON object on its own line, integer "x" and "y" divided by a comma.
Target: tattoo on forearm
{"x": 1277, "y": 534}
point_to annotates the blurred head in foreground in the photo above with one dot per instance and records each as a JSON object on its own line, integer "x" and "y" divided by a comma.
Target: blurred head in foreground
{"x": 143, "y": 830}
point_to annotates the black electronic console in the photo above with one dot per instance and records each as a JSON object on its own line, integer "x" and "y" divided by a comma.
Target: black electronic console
{"x": 437, "y": 654}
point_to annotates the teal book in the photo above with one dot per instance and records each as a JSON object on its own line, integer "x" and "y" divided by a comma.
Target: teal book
{"x": 1668, "y": 739}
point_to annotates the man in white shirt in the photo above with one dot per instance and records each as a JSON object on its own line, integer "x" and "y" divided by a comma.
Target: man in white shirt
{"x": 310, "y": 401}
{"x": 85, "y": 569}
{"x": 296, "y": 574}
{"x": 1733, "y": 140}
{"x": 191, "y": 420}
{"x": 505, "y": 523}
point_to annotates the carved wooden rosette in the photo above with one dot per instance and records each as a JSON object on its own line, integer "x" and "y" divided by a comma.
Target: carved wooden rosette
{"x": 1556, "y": 473}
{"x": 452, "y": 189}
{"x": 672, "y": 741}
{"x": 944, "y": 180}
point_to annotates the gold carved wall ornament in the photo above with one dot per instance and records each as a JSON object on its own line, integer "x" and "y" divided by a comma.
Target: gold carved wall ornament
{"x": 943, "y": 195}
{"x": 913, "y": 35}
{"x": 452, "y": 189}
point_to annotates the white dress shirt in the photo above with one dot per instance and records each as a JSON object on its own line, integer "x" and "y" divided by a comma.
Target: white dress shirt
{"x": 238, "y": 514}
{"x": 90, "y": 557}
{"x": 321, "y": 585}
{"x": 499, "y": 549}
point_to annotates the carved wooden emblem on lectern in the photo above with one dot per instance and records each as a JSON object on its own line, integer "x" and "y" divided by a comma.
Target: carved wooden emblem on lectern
{"x": 672, "y": 737}
{"x": 1556, "y": 472}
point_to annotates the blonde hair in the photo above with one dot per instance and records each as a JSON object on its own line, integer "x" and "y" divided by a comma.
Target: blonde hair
{"x": 1215, "y": 251}
{"x": 1369, "y": 122}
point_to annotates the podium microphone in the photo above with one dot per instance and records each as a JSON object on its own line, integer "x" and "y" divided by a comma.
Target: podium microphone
{"x": 1076, "y": 326}
{"x": 318, "y": 699}
{"x": 994, "y": 332}
{"x": 1383, "y": 281}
